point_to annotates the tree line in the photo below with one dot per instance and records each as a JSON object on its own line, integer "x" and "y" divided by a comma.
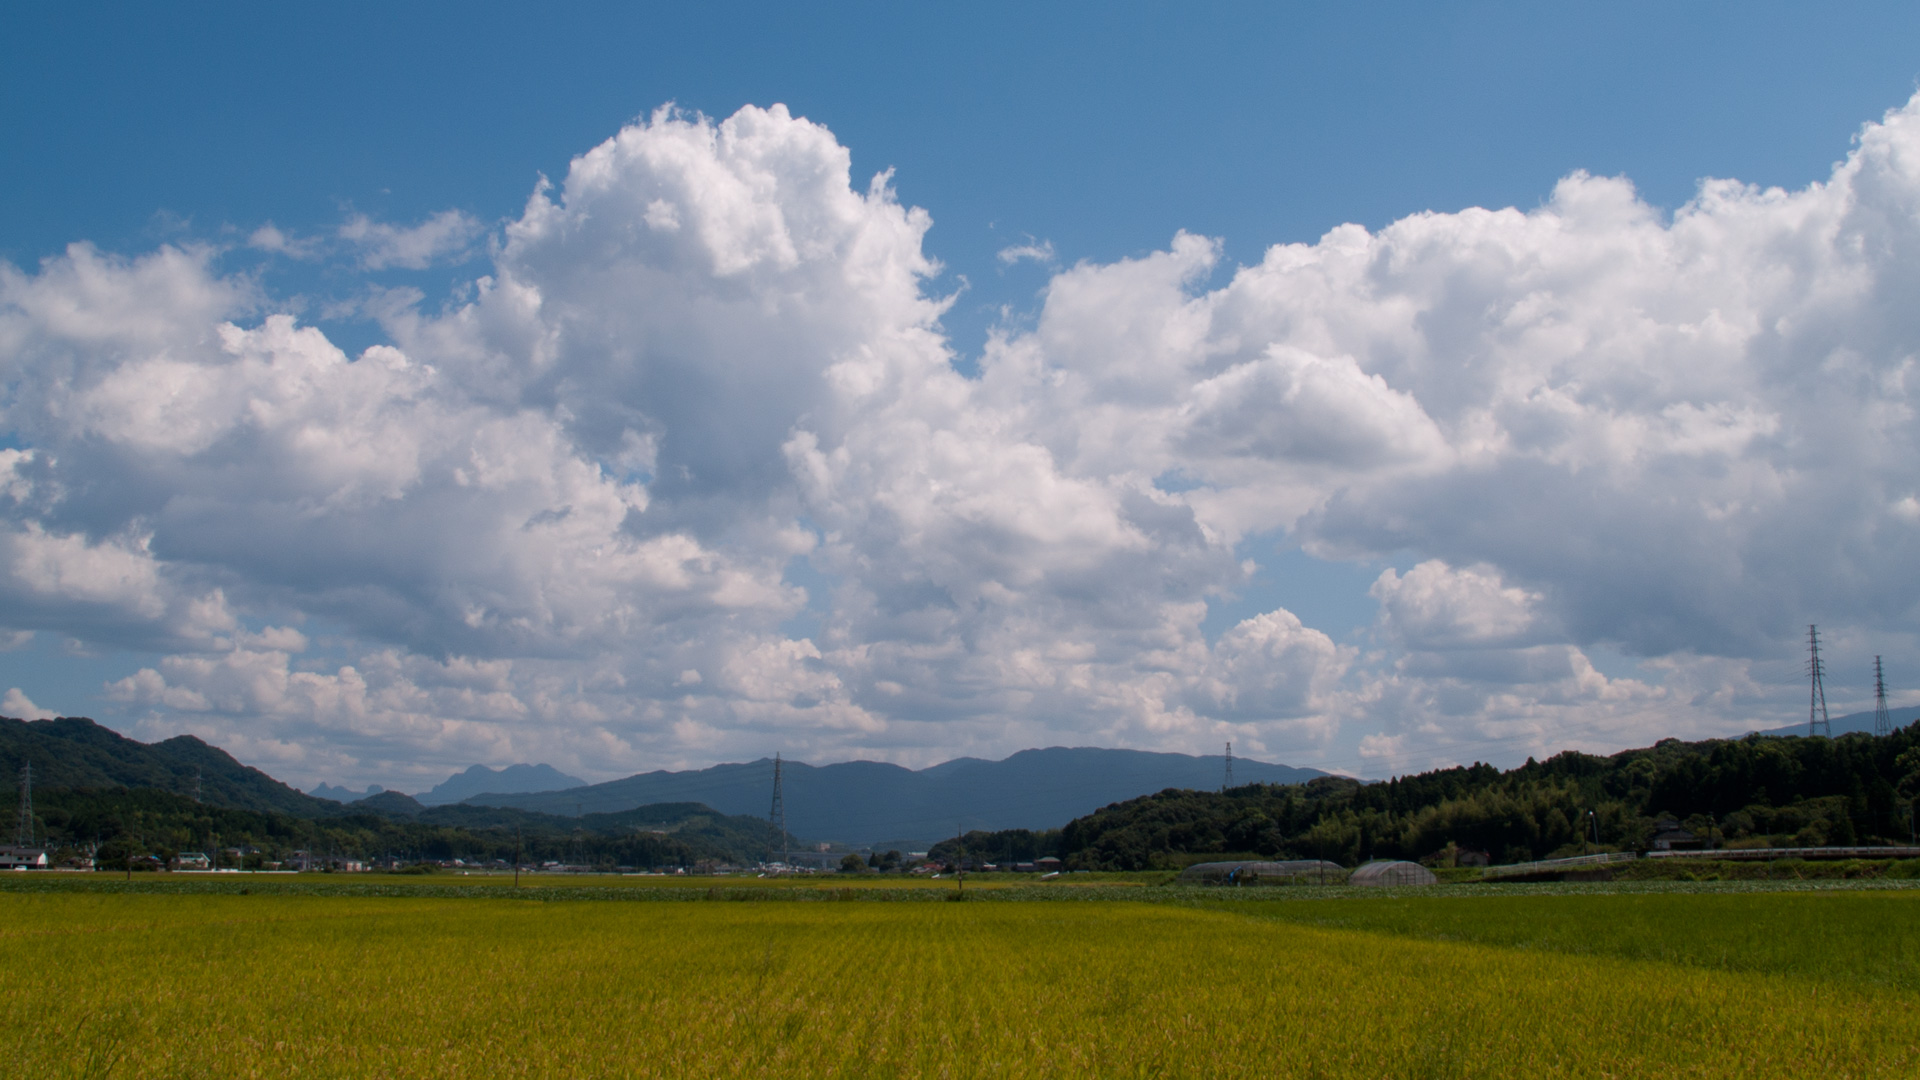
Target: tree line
{"x": 145, "y": 826}
{"x": 1760, "y": 791}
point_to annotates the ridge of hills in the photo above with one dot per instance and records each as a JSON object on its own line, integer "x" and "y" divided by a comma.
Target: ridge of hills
{"x": 855, "y": 802}
{"x": 1755, "y": 790}
{"x": 870, "y": 802}
{"x": 1852, "y": 723}
{"x": 118, "y": 823}
{"x": 74, "y": 752}
{"x": 705, "y": 829}
{"x": 709, "y": 833}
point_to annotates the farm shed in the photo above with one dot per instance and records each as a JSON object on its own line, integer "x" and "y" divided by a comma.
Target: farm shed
{"x": 1262, "y": 873}
{"x": 1393, "y": 873}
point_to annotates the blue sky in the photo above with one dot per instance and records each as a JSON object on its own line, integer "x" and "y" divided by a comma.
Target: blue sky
{"x": 1092, "y": 135}
{"x": 1103, "y": 130}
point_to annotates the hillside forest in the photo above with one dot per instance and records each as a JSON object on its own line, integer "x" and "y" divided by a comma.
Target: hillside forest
{"x": 1757, "y": 791}
{"x": 139, "y": 803}
{"x": 143, "y": 826}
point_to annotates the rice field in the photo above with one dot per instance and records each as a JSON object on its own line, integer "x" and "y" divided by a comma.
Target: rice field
{"x": 1846, "y": 937}
{"x": 163, "y": 984}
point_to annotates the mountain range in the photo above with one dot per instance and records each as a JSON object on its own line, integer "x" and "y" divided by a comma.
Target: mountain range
{"x": 477, "y": 780}
{"x": 856, "y": 802}
{"x": 869, "y": 802}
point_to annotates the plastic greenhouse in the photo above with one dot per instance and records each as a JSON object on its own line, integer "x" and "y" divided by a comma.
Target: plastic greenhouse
{"x": 1392, "y": 873}
{"x": 1290, "y": 872}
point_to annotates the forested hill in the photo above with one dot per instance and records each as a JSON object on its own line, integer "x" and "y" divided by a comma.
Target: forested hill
{"x": 75, "y": 752}
{"x": 1759, "y": 790}
{"x": 118, "y": 823}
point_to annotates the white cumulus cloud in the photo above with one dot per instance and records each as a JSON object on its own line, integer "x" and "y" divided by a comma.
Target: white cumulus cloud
{"x": 20, "y": 707}
{"x": 446, "y": 236}
{"x": 568, "y": 516}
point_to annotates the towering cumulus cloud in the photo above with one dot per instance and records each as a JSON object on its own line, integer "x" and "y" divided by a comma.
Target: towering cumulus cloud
{"x": 691, "y": 474}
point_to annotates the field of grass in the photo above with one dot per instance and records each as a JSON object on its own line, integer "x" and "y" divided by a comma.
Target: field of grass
{"x": 153, "y": 983}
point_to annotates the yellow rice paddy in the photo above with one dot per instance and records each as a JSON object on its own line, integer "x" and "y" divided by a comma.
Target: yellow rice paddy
{"x": 167, "y": 986}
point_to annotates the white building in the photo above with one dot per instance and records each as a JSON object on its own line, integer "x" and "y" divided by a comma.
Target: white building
{"x": 22, "y": 858}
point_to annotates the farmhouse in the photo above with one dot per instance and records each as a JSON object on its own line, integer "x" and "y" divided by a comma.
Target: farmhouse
{"x": 1669, "y": 835}
{"x": 15, "y": 857}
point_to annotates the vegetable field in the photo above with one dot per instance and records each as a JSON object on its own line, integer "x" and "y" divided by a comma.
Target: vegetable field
{"x": 1672, "y": 984}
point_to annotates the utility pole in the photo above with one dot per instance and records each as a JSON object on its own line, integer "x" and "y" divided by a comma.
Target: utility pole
{"x": 1817, "y": 722}
{"x": 777, "y": 818}
{"x": 1882, "y": 722}
{"x": 1227, "y": 782}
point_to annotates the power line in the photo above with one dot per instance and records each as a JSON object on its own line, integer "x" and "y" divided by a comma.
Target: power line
{"x": 1227, "y": 782}
{"x": 1817, "y": 722}
{"x": 1882, "y": 723}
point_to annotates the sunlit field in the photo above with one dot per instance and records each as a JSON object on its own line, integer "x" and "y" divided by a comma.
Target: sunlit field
{"x": 1655, "y": 984}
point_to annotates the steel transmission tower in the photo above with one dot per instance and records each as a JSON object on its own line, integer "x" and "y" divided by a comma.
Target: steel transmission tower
{"x": 1817, "y": 723}
{"x": 23, "y": 825}
{"x": 1228, "y": 781}
{"x": 1882, "y": 723}
{"x": 777, "y": 818}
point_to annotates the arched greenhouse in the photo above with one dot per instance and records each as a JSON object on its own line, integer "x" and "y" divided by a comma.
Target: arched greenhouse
{"x": 1393, "y": 873}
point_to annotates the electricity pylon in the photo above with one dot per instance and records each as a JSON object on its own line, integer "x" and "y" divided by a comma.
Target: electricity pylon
{"x": 1817, "y": 722}
{"x": 777, "y": 818}
{"x": 1882, "y": 723}
{"x": 23, "y": 825}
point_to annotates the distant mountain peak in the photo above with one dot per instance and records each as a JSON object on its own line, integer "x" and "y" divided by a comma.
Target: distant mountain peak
{"x": 344, "y": 794}
{"x": 512, "y": 780}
